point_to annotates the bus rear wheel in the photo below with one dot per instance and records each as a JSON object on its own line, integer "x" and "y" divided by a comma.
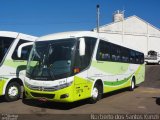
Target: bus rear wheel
{"x": 12, "y": 92}
{"x": 96, "y": 93}
{"x": 133, "y": 84}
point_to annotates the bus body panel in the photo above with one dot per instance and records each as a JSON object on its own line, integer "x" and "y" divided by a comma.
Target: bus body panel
{"x": 140, "y": 74}
{"x": 2, "y": 84}
{"x": 79, "y": 89}
{"x": 82, "y": 86}
{"x": 9, "y": 68}
{"x": 114, "y": 76}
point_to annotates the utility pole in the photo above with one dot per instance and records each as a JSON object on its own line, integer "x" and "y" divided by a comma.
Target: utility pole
{"x": 98, "y": 13}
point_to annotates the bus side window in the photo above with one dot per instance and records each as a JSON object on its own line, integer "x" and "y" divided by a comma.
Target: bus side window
{"x": 137, "y": 58}
{"x": 5, "y": 43}
{"x": 118, "y": 53}
{"x": 132, "y": 56}
{"x": 113, "y": 52}
{"x": 141, "y": 58}
{"x": 125, "y": 55}
{"x": 103, "y": 53}
{"x": 25, "y": 51}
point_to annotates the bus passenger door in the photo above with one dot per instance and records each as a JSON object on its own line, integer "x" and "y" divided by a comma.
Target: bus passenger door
{"x": 83, "y": 56}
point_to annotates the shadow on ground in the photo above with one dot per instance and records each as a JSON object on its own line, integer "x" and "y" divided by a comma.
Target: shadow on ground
{"x": 152, "y": 76}
{"x": 65, "y": 106}
{"x": 157, "y": 100}
{"x": 54, "y": 105}
{"x": 2, "y": 99}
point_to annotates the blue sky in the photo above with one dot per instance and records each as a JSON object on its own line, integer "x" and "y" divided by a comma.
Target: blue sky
{"x": 41, "y": 17}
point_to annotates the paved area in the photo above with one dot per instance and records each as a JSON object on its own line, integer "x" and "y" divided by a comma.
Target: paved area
{"x": 142, "y": 100}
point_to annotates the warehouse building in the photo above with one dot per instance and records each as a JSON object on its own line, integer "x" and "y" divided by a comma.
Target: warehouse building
{"x": 133, "y": 31}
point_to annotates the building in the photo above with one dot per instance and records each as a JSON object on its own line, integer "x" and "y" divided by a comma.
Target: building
{"x": 133, "y": 31}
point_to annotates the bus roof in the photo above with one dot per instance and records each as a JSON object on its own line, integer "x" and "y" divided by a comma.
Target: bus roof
{"x": 70, "y": 34}
{"x": 17, "y": 35}
{"x": 74, "y": 34}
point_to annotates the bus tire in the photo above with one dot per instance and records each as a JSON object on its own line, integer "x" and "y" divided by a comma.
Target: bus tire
{"x": 13, "y": 92}
{"x": 96, "y": 93}
{"x": 146, "y": 63}
{"x": 133, "y": 84}
{"x": 24, "y": 95}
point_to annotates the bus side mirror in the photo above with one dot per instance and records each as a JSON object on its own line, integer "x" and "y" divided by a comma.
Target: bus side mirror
{"x": 19, "y": 53}
{"x": 82, "y": 47}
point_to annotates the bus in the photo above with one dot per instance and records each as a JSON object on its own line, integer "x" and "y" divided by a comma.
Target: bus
{"x": 12, "y": 67}
{"x": 71, "y": 66}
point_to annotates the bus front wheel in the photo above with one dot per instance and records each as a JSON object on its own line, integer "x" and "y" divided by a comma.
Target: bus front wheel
{"x": 96, "y": 93}
{"x": 12, "y": 92}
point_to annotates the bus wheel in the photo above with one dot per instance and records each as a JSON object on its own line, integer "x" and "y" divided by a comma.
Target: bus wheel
{"x": 132, "y": 87}
{"x": 96, "y": 93}
{"x": 12, "y": 92}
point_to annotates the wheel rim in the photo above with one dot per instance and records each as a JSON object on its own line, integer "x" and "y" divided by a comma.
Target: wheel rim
{"x": 13, "y": 91}
{"x": 95, "y": 93}
{"x": 132, "y": 84}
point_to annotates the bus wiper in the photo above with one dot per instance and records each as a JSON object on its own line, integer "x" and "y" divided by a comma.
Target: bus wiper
{"x": 50, "y": 51}
{"x": 36, "y": 66}
{"x": 51, "y": 74}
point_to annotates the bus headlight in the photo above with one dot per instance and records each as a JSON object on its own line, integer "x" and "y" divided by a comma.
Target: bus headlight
{"x": 63, "y": 85}
{"x": 45, "y": 88}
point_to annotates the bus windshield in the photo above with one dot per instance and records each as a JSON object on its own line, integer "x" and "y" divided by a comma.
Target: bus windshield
{"x": 50, "y": 60}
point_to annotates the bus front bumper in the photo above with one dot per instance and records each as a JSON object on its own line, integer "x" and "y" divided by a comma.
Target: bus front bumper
{"x": 61, "y": 95}
{"x": 2, "y": 85}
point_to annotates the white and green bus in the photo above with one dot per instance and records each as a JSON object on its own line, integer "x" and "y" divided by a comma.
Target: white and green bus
{"x": 70, "y": 66}
{"x": 12, "y": 68}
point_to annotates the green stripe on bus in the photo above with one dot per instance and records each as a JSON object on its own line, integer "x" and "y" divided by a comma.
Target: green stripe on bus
{"x": 120, "y": 82}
